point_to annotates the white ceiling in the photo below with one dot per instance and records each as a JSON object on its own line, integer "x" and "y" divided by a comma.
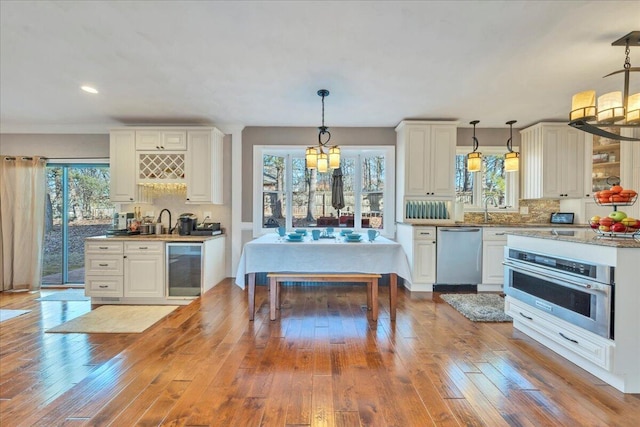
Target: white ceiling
{"x": 261, "y": 63}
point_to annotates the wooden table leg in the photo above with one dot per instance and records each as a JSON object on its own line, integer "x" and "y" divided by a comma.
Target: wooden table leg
{"x": 369, "y": 296}
{"x": 374, "y": 299}
{"x": 393, "y": 294}
{"x": 273, "y": 297}
{"x": 252, "y": 294}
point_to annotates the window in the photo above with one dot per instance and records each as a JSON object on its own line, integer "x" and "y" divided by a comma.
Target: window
{"x": 496, "y": 187}
{"x": 289, "y": 194}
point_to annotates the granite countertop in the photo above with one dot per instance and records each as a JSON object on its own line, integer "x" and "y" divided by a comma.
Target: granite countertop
{"x": 587, "y": 236}
{"x": 158, "y": 237}
{"x": 442, "y": 223}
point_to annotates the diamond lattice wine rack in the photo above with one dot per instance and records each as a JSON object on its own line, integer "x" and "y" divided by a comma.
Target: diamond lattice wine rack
{"x": 161, "y": 167}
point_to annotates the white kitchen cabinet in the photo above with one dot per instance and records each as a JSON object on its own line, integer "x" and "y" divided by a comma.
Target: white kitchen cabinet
{"x": 144, "y": 269}
{"x": 122, "y": 166}
{"x": 154, "y": 139}
{"x": 204, "y": 166}
{"x": 493, "y": 242}
{"x": 124, "y": 269}
{"x": 419, "y": 243}
{"x": 104, "y": 269}
{"x": 426, "y": 159}
{"x": 552, "y": 161}
{"x": 562, "y": 336}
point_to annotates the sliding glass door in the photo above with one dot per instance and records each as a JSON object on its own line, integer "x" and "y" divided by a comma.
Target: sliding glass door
{"x": 77, "y": 207}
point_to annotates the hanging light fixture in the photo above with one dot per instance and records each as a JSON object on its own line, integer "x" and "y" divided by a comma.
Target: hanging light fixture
{"x": 512, "y": 158}
{"x": 614, "y": 109}
{"x": 316, "y": 157}
{"x": 474, "y": 159}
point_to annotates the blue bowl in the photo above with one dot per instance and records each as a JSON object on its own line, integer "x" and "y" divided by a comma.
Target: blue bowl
{"x": 301, "y": 231}
{"x": 346, "y": 232}
{"x": 353, "y": 236}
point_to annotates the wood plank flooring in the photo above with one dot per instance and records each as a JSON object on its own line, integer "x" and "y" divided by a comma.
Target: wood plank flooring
{"x": 322, "y": 363}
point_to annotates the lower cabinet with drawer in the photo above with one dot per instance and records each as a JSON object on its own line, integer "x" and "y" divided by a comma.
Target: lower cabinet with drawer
{"x": 124, "y": 269}
{"x": 419, "y": 243}
{"x": 572, "y": 342}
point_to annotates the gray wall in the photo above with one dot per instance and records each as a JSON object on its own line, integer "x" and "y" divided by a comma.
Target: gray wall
{"x": 488, "y": 136}
{"x": 341, "y": 136}
{"x": 61, "y": 146}
{"x": 300, "y": 136}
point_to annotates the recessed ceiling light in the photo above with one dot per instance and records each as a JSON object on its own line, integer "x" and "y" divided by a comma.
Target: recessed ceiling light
{"x": 89, "y": 89}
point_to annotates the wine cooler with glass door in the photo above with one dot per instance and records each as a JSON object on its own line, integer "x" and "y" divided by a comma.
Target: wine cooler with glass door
{"x": 184, "y": 270}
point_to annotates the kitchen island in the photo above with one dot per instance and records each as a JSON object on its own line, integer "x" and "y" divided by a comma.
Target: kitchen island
{"x": 614, "y": 358}
{"x": 152, "y": 269}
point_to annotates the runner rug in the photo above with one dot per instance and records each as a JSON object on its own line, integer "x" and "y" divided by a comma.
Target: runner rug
{"x": 116, "y": 319}
{"x": 478, "y": 307}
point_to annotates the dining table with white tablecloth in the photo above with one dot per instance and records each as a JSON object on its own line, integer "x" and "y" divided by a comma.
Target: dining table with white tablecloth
{"x": 271, "y": 253}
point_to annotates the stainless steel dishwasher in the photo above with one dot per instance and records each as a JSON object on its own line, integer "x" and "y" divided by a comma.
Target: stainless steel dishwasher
{"x": 459, "y": 256}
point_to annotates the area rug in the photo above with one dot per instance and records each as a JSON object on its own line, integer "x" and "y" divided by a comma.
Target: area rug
{"x": 478, "y": 307}
{"x": 10, "y": 314}
{"x": 68, "y": 295}
{"x": 116, "y": 319}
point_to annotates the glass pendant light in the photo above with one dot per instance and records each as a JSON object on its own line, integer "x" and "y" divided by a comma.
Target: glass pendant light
{"x": 323, "y": 162}
{"x": 615, "y": 110}
{"x": 311, "y": 156}
{"x": 315, "y": 156}
{"x": 512, "y": 158}
{"x": 334, "y": 157}
{"x": 633, "y": 109}
{"x": 583, "y": 106}
{"x": 610, "y": 108}
{"x": 474, "y": 159}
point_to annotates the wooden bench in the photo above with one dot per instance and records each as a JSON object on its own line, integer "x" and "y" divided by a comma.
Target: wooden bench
{"x": 370, "y": 279}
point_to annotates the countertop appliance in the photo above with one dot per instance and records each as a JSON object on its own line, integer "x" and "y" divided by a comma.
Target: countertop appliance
{"x": 123, "y": 218}
{"x": 187, "y": 222}
{"x": 561, "y": 218}
{"x": 458, "y": 256}
{"x": 576, "y": 291}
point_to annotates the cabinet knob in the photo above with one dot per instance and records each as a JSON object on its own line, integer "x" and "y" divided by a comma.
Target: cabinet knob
{"x": 157, "y": 147}
{"x": 131, "y": 198}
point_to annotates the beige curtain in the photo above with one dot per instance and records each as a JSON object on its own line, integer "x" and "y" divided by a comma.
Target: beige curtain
{"x": 22, "y": 209}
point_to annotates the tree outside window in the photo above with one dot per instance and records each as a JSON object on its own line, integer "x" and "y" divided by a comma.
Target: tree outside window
{"x": 498, "y": 188}
{"x": 289, "y": 189}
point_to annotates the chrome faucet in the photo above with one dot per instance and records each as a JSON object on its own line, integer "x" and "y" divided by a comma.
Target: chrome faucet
{"x": 488, "y": 199}
{"x": 160, "y": 218}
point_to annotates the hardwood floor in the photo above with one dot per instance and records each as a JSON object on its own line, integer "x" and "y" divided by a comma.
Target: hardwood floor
{"x": 322, "y": 363}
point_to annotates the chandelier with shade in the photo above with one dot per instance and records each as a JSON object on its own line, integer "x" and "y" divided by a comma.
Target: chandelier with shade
{"x": 618, "y": 109}
{"x": 323, "y": 157}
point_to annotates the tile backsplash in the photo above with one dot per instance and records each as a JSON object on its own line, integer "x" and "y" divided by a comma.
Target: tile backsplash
{"x": 539, "y": 213}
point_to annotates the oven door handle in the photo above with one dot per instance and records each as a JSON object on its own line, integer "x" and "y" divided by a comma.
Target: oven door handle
{"x": 563, "y": 279}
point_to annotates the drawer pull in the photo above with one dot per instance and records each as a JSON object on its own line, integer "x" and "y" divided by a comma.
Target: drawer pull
{"x": 103, "y": 247}
{"x": 103, "y": 286}
{"x": 526, "y": 317}
{"x": 103, "y": 265}
{"x": 500, "y": 234}
{"x": 567, "y": 338}
{"x": 425, "y": 233}
{"x": 143, "y": 247}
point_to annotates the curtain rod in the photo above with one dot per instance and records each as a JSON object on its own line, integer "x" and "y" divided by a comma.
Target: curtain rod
{"x": 9, "y": 158}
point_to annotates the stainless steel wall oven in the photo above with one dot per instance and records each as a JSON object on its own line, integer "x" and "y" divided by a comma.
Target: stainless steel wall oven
{"x": 576, "y": 291}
